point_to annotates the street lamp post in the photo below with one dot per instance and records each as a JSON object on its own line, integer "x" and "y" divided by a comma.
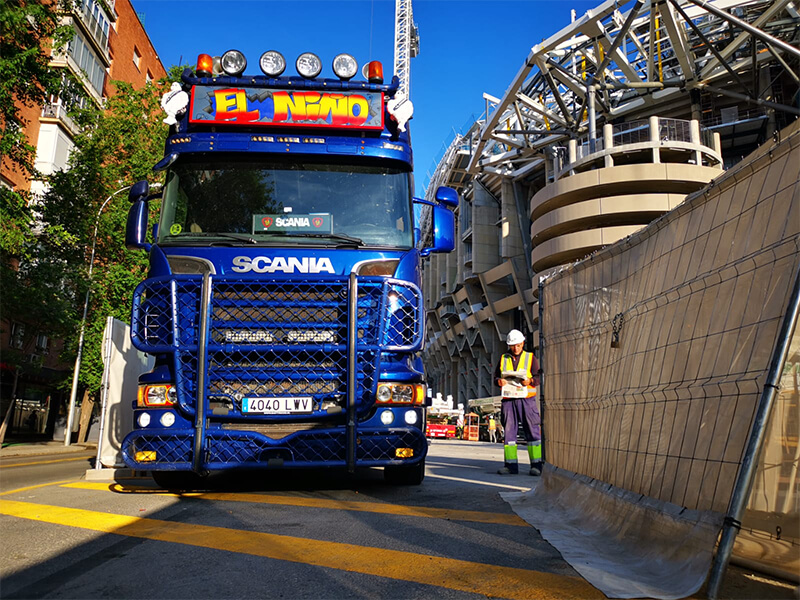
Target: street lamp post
{"x": 74, "y": 391}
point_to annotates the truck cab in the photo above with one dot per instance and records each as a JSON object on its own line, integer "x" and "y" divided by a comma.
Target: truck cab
{"x": 283, "y": 304}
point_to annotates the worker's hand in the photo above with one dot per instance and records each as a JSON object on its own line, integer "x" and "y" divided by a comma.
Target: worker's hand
{"x": 526, "y": 382}
{"x": 501, "y": 382}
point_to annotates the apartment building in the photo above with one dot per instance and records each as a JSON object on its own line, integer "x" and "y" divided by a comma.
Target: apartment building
{"x": 109, "y": 44}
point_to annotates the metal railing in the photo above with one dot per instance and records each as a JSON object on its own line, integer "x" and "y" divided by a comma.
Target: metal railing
{"x": 56, "y": 110}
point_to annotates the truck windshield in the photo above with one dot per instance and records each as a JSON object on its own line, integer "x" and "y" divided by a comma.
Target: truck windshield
{"x": 242, "y": 201}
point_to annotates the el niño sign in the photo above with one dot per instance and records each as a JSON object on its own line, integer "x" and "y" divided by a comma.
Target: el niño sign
{"x": 260, "y": 106}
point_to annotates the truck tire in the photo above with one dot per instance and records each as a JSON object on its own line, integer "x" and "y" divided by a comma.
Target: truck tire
{"x": 411, "y": 475}
{"x": 178, "y": 480}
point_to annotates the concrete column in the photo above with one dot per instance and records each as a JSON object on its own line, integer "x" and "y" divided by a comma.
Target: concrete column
{"x": 608, "y": 143}
{"x": 655, "y": 140}
{"x": 694, "y": 134}
{"x": 572, "y": 149}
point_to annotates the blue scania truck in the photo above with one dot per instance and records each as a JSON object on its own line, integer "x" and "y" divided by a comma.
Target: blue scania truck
{"x": 283, "y": 305}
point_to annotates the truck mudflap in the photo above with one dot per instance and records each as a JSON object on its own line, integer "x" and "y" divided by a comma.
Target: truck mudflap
{"x": 223, "y": 449}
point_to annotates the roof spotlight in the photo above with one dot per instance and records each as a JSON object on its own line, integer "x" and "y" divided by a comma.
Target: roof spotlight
{"x": 345, "y": 66}
{"x": 272, "y": 63}
{"x": 308, "y": 65}
{"x": 233, "y": 63}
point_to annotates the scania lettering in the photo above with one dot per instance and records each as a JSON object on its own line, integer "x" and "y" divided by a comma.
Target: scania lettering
{"x": 283, "y": 305}
{"x": 265, "y": 264}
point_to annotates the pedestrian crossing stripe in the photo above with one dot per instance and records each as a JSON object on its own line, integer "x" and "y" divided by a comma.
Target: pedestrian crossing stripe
{"x": 462, "y": 575}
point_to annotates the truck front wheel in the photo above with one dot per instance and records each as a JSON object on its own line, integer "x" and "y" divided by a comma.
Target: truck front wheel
{"x": 405, "y": 475}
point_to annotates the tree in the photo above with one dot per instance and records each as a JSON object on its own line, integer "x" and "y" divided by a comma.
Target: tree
{"x": 29, "y": 30}
{"x": 122, "y": 146}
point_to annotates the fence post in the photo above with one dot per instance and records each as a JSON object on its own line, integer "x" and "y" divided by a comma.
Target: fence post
{"x": 741, "y": 490}
{"x": 541, "y": 368}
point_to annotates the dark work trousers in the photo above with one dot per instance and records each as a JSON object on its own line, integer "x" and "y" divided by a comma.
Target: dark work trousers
{"x": 524, "y": 411}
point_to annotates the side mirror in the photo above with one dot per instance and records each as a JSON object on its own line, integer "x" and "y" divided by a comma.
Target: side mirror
{"x": 444, "y": 231}
{"x": 139, "y": 191}
{"x": 136, "y": 227}
{"x": 446, "y": 196}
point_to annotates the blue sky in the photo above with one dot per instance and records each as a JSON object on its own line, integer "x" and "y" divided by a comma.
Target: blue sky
{"x": 467, "y": 47}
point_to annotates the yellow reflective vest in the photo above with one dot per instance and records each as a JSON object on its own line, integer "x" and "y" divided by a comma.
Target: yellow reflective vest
{"x": 525, "y": 362}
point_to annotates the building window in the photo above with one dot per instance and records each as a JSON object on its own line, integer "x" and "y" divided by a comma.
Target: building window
{"x": 17, "y": 335}
{"x": 148, "y": 78}
{"x": 42, "y": 344}
{"x": 137, "y": 58}
{"x": 86, "y": 60}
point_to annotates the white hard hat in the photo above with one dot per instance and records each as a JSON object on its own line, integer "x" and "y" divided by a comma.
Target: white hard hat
{"x": 514, "y": 337}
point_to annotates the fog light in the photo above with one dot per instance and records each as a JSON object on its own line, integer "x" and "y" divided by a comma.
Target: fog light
{"x": 387, "y": 417}
{"x": 411, "y": 417}
{"x": 145, "y": 456}
{"x": 144, "y": 420}
{"x": 404, "y": 452}
{"x": 168, "y": 419}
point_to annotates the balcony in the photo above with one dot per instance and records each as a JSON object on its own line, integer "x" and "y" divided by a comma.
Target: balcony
{"x": 612, "y": 186}
{"x": 56, "y": 110}
{"x": 647, "y": 141}
{"x": 95, "y": 23}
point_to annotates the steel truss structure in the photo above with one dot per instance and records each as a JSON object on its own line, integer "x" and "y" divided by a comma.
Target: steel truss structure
{"x": 625, "y": 59}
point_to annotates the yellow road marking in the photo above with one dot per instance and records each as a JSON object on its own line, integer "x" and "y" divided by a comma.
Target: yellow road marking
{"x": 35, "y": 487}
{"x": 477, "y": 578}
{"x": 373, "y": 507}
{"x": 47, "y": 462}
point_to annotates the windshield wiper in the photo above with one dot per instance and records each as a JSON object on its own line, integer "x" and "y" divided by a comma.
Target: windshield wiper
{"x": 333, "y": 236}
{"x": 239, "y": 237}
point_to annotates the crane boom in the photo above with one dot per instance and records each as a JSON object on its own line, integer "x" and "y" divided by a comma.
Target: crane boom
{"x": 406, "y": 44}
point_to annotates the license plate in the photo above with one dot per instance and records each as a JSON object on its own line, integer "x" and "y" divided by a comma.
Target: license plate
{"x": 278, "y": 406}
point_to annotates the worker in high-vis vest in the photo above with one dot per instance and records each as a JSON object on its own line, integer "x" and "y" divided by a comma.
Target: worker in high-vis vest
{"x": 517, "y": 374}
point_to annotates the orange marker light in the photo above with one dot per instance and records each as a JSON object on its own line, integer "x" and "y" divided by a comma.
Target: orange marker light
{"x": 205, "y": 65}
{"x": 375, "y": 72}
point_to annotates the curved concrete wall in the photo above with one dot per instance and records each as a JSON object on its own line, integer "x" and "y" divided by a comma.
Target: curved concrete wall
{"x": 576, "y": 215}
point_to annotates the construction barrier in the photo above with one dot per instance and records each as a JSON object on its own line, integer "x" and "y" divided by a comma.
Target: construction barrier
{"x": 656, "y": 351}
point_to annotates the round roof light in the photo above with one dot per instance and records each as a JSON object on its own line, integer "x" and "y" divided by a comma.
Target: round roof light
{"x": 233, "y": 62}
{"x": 308, "y": 65}
{"x": 272, "y": 63}
{"x": 345, "y": 66}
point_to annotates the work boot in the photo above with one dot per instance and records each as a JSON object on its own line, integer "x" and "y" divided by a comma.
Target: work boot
{"x": 507, "y": 471}
{"x": 536, "y": 470}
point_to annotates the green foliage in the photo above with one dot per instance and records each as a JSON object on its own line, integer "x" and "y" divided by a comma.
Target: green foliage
{"x": 29, "y": 29}
{"x": 126, "y": 141}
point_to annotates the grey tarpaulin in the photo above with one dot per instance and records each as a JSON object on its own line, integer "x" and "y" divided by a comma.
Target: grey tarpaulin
{"x": 625, "y": 544}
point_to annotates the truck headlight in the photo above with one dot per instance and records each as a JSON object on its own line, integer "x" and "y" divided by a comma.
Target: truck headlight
{"x": 401, "y": 393}
{"x": 162, "y": 394}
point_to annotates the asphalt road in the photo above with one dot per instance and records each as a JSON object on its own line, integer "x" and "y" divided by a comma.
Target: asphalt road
{"x": 279, "y": 535}
{"x": 19, "y": 471}
{"x": 283, "y": 535}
